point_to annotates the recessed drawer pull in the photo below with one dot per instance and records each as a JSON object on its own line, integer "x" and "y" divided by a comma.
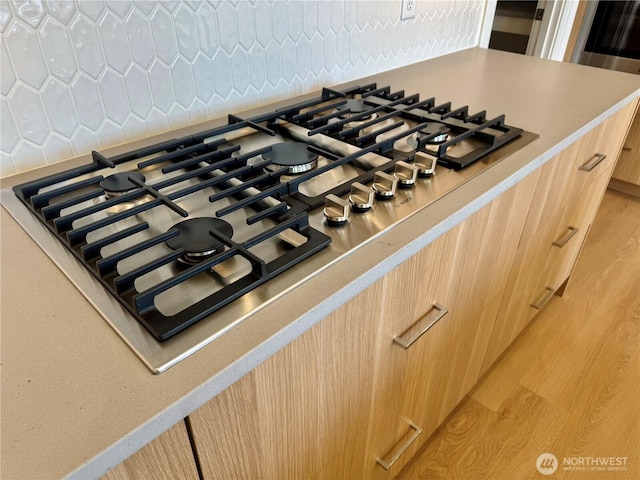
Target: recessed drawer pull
{"x": 431, "y": 318}
{"x": 593, "y": 162}
{"x": 388, "y": 464}
{"x": 544, "y": 299}
{"x": 563, "y": 241}
{"x": 626, "y": 149}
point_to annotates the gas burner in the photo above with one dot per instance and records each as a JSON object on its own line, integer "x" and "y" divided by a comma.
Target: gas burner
{"x": 118, "y": 184}
{"x": 195, "y": 239}
{"x": 355, "y": 106}
{"x": 441, "y": 137}
{"x": 411, "y": 142}
{"x": 294, "y": 156}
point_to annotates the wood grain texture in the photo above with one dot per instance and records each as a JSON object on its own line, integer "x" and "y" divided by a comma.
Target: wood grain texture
{"x": 569, "y": 385}
{"x": 465, "y": 270}
{"x": 168, "y": 457}
{"x": 566, "y": 196}
{"x": 300, "y": 408}
{"x": 628, "y": 166}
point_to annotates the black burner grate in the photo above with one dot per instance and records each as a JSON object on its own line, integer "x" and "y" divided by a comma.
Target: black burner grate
{"x": 75, "y": 208}
{"x": 64, "y": 205}
{"x": 489, "y": 134}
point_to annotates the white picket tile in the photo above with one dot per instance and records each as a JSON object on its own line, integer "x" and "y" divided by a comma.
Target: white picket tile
{"x": 58, "y": 50}
{"x": 26, "y": 55}
{"x": 80, "y": 75}
{"x": 30, "y": 11}
{"x": 29, "y": 113}
{"x": 59, "y": 106}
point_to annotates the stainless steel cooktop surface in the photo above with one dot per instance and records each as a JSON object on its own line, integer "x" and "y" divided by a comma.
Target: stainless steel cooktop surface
{"x": 177, "y": 243}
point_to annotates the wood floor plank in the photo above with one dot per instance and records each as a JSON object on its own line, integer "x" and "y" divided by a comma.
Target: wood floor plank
{"x": 569, "y": 385}
{"x": 475, "y": 437}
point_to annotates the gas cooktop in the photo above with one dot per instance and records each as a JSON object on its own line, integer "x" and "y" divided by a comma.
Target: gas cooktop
{"x": 176, "y": 243}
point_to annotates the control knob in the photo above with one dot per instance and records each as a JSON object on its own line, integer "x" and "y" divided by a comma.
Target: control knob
{"x": 361, "y": 197}
{"x": 406, "y": 174}
{"x": 426, "y": 164}
{"x": 384, "y": 185}
{"x": 336, "y": 210}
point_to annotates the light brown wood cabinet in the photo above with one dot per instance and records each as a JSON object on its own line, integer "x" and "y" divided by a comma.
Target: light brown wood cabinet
{"x": 168, "y": 457}
{"x": 292, "y": 414}
{"x": 567, "y": 194}
{"x": 626, "y": 175}
{"x": 346, "y": 399}
{"x": 418, "y": 387}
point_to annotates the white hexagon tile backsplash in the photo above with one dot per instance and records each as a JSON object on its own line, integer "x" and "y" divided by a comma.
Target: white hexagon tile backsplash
{"x": 88, "y": 74}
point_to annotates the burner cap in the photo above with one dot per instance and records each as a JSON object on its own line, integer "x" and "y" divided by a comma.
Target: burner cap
{"x": 195, "y": 239}
{"x": 441, "y": 130}
{"x": 293, "y": 155}
{"x": 119, "y": 183}
{"x": 354, "y": 106}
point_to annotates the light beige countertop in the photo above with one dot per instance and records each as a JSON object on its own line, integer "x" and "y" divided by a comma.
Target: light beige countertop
{"x": 76, "y": 401}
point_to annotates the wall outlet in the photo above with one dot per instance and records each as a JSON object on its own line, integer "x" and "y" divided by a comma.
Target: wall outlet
{"x": 408, "y": 9}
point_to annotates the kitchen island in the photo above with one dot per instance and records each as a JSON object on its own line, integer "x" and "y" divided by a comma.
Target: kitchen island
{"x": 77, "y": 402}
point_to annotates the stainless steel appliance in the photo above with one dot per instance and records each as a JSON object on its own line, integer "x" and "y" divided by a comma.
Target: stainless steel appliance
{"x": 610, "y": 36}
{"x": 177, "y": 242}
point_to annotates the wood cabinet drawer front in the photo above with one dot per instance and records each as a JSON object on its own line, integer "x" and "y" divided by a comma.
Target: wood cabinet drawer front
{"x": 574, "y": 227}
{"x": 298, "y": 409}
{"x": 565, "y": 200}
{"x": 608, "y": 139}
{"x": 446, "y": 377}
{"x": 595, "y": 159}
{"x": 415, "y": 312}
{"x": 550, "y": 194}
{"x": 535, "y": 288}
{"x": 415, "y": 323}
{"x": 563, "y": 256}
{"x": 563, "y": 179}
{"x": 569, "y": 238}
{"x": 561, "y": 183}
{"x": 531, "y": 262}
{"x": 364, "y": 463}
{"x": 595, "y": 164}
{"x": 416, "y": 285}
{"x": 581, "y": 211}
{"x": 478, "y": 351}
{"x": 519, "y": 309}
{"x": 348, "y": 462}
{"x": 167, "y": 457}
{"x": 514, "y": 314}
{"x": 583, "y": 200}
{"x": 487, "y": 247}
{"x": 527, "y": 281}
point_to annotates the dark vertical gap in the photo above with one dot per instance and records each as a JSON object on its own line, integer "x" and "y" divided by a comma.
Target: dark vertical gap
{"x": 192, "y": 441}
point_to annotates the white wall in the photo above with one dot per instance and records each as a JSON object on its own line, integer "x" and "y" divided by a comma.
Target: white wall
{"x": 89, "y": 74}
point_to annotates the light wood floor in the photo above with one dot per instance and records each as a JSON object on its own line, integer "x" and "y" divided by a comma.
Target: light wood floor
{"x": 569, "y": 385}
